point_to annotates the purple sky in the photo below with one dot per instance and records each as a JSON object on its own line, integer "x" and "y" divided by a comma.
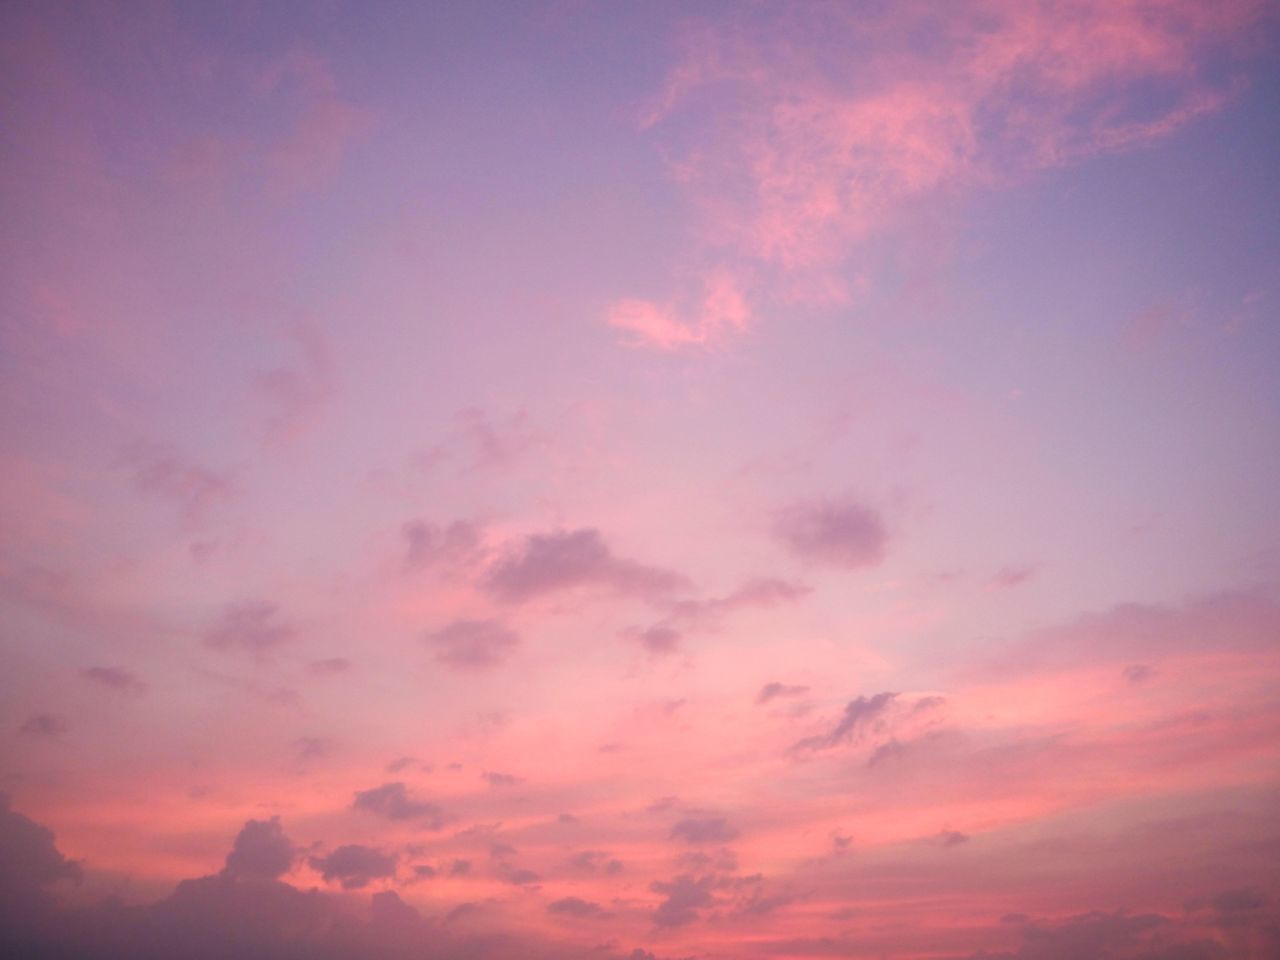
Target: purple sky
{"x": 640, "y": 481}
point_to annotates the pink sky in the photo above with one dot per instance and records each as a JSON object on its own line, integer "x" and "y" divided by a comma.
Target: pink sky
{"x": 640, "y": 481}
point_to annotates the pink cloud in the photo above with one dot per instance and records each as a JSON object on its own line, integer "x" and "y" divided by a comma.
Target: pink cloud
{"x": 794, "y": 160}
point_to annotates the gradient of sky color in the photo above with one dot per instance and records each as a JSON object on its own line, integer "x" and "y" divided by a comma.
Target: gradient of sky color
{"x": 640, "y": 481}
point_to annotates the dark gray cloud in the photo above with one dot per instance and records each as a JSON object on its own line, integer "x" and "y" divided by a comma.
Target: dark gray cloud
{"x": 261, "y": 852}
{"x": 840, "y": 533}
{"x": 860, "y": 715}
{"x": 115, "y": 678}
{"x": 29, "y": 864}
{"x": 252, "y": 626}
{"x": 473, "y": 644}
{"x": 355, "y": 865}
{"x": 774, "y": 690}
{"x": 549, "y": 563}
{"x": 244, "y": 912}
{"x": 703, "y": 830}
{"x": 392, "y": 801}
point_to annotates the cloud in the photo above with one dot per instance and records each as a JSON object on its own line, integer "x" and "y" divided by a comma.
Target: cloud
{"x": 839, "y": 533}
{"x": 659, "y": 639}
{"x": 1134, "y": 634}
{"x": 261, "y": 852}
{"x": 721, "y": 310}
{"x": 355, "y": 865}
{"x": 296, "y": 394}
{"x": 1010, "y": 577}
{"x": 30, "y": 865}
{"x": 699, "y": 830}
{"x": 578, "y": 908}
{"x": 163, "y": 474}
{"x": 775, "y": 690}
{"x": 428, "y": 544}
{"x": 392, "y": 801}
{"x": 594, "y": 861}
{"x": 549, "y": 563}
{"x": 685, "y": 896}
{"x": 473, "y": 644}
{"x": 312, "y": 748}
{"x": 795, "y": 162}
{"x": 43, "y": 725}
{"x": 859, "y": 715}
{"x": 329, "y": 667}
{"x": 116, "y": 678}
{"x": 251, "y": 625}
{"x": 501, "y": 779}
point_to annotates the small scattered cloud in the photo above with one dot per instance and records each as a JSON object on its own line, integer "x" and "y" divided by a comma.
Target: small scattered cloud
{"x": 192, "y": 488}
{"x": 392, "y": 801}
{"x": 46, "y": 725}
{"x": 1009, "y": 577}
{"x": 329, "y": 667}
{"x": 578, "y": 908}
{"x": 699, "y": 830}
{"x": 775, "y": 691}
{"x": 115, "y": 678}
{"x": 428, "y": 544}
{"x": 1137, "y": 673}
{"x": 838, "y": 533}
{"x": 473, "y": 644}
{"x": 549, "y": 563}
{"x": 312, "y": 748}
{"x": 860, "y": 715}
{"x": 251, "y": 626}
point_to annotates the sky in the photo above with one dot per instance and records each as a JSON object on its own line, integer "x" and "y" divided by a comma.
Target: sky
{"x": 656, "y": 481}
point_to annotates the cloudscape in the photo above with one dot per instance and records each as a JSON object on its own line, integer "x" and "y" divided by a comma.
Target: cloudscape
{"x": 658, "y": 481}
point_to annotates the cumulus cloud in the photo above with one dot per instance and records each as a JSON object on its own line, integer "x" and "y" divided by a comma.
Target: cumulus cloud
{"x": 392, "y": 801}
{"x": 840, "y": 533}
{"x": 548, "y": 563}
{"x": 683, "y": 898}
{"x": 354, "y": 865}
{"x": 261, "y": 852}
{"x": 473, "y": 644}
{"x": 252, "y": 626}
{"x": 859, "y": 716}
{"x": 30, "y": 864}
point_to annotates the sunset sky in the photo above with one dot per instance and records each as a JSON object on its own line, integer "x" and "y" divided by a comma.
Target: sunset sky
{"x": 640, "y": 481}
